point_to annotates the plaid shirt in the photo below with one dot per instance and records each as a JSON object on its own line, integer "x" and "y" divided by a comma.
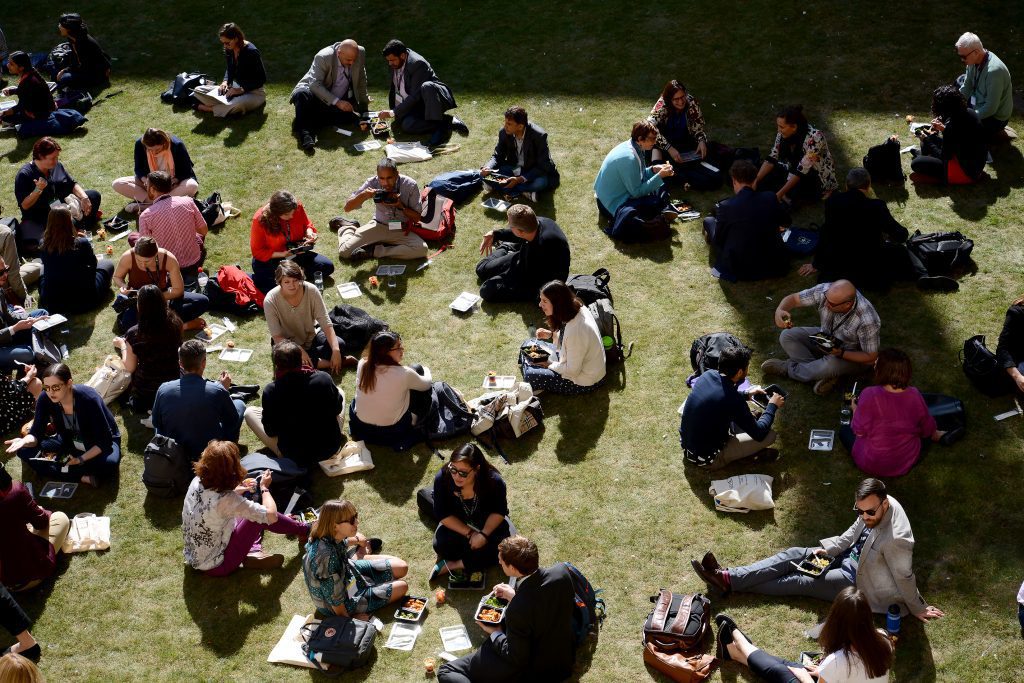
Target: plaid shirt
{"x": 857, "y": 329}
{"x": 174, "y": 223}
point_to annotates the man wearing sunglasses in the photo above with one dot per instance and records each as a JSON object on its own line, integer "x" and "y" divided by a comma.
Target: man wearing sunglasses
{"x": 875, "y": 554}
{"x": 986, "y": 85}
{"x": 848, "y": 321}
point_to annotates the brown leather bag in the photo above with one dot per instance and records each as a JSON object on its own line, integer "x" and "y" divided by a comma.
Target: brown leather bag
{"x": 678, "y": 621}
{"x": 680, "y": 666}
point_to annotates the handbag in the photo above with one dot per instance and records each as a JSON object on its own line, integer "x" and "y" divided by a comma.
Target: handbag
{"x": 743, "y": 493}
{"x": 45, "y": 351}
{"x": 88, "y": 532}
{"x": 678, "y": 621}
{"x": 680, "y": 666}
{"x": 110, "y": 379}
{"x": 340, "y": 642}
{"x": 407, "y": 152}
{"x": 353, "y": 457}
{"x": 212, "y": 210}
{"x": 982, "y": 368}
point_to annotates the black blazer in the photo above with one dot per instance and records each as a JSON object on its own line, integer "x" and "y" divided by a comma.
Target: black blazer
{"x": 248, "y": 71}
{"x": 536, "y": 157}
{"x": 417, "y": 72}
{"x": 850, "y": 242}
{"x": 747, "y": 236}
{"x": 34, "y": 97}
{"x": 1010, "y": 350}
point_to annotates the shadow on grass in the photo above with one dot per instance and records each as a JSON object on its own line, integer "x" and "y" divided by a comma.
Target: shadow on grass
{"x": 238, "y": 127}
{"x": 700, "y": 481}
{"x": 226, "y": 608}
{"x": 397, "y": 475}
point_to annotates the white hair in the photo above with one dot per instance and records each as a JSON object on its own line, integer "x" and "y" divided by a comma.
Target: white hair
{"x": 969, "y": 40}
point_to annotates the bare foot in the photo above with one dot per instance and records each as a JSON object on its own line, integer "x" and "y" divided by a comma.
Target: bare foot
{"x": 204, "y": 107}
{"x": 349, "y": 362}
{"x": 196, "y": 324}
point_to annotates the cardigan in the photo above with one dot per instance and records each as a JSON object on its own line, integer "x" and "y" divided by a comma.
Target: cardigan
{"x": 580, "y": 350}
{"x": 990, "y": 85}
{"x": 1010, "y": 350}
{"x": 24, "y": 556}
{"x": 248, "y": 71}
{"x": 69, "y": 279}
{"x": 95, "y": 422}
{"x": 183, "y": 169}
{"x": 34, "y": 96}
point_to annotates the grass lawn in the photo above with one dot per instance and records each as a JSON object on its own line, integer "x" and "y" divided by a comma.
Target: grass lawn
{"x": 603, "y": 485}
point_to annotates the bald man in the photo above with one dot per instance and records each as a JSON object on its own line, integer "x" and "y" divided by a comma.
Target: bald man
{"x": 332, "y": 93}
{"x": 845, "y": 315}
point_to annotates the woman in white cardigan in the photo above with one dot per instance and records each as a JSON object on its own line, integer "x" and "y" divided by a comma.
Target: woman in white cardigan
{"x": 576, "y": 363}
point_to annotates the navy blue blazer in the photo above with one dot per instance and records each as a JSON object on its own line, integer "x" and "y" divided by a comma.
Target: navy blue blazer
{"x": 536, "y": 156}
{"x": 182, "y": 161}
{"x": 95, "y": 421}
{"x": 747, "y": 237}
{"x": 248, "y": 71}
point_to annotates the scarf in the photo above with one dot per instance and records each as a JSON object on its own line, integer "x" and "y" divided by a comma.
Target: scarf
{"x": 158, "y": 159}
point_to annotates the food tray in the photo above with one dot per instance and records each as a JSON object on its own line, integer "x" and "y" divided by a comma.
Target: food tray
{"x": 488, "y": 609}
{"x": 392, "y": 270}
{"x": 349, "y": 290}
{"x": 455, "y": 638}
{"x": 464, "y": 302}
{"x": 499, "y": 382}
{"x": 403, "y": 636}
{"x": 211, "y": 332}
{"x": 473, "y": 582}
{"x": 236, "y": 355}
{"x": 411, "y": 605}
{"x": 813, "y": 566}
{"x": 536, "y": 353}
{"x": 821, "y": 440}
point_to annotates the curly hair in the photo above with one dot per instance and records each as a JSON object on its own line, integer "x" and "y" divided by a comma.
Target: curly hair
{"x": 947, "y": 101}
{"x": 220, "y": 467}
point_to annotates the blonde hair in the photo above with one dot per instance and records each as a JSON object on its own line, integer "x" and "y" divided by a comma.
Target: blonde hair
{"x": 17, "y": 669}
{"x": 331, "y": 513}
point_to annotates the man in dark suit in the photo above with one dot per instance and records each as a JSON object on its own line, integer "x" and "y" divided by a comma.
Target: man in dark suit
{"x": 534, "y": 642}
{"x": 418, "y": 98}
{"x": 333, "y": 91}
{"x": 863, "y": 243}
{"x": 530, "y": 253}
{"x": 746, "y": 233}
{"x": 521, "y": 157}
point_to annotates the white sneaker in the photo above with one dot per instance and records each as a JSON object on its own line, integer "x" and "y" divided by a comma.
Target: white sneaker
{"x": 147, "y": 422}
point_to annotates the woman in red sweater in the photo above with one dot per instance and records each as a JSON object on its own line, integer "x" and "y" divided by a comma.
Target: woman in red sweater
{"x": 281, "y": 230}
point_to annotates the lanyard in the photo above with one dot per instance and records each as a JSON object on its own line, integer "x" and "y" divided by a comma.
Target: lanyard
{"x": 843, "y": 320}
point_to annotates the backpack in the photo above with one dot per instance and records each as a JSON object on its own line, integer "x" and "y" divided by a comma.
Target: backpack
{"x": 678, "y": 621}
{"x": 704, "y": 351}
{"x": 608, "y": 326}
{"x": 983, "y": 368}
{"x": 457, "y": 185}
{"x": 505, "y": 415}
{"x": 447, "y": 416}
{"x": 180, "y": 92}
{"x": 166, "y": 470}
{"x": 589, "y": 612}
{"x": 884, "y": 164}
{"x": 339, "y": 641}
{"x": 354, "y": 327}
{"x": 212, "y": 209}
{"x": 590, "y": 288}
{"x": 232, "y": 290}
{"x": 437, "y": 221}
{"x": 941, "y": 252}
{"x": 287, "y": 478}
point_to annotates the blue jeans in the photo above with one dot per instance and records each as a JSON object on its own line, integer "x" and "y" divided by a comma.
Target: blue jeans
{"x": 20, "y": 347}
{"x": 627, "y": 224}
{"x": 538, "y": 184}
{"x": 103, "y": 466}
{"x": 189, "y": 307}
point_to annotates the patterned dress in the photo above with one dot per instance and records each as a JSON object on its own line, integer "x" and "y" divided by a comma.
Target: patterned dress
{"x": 16, "y": 405}
{"x": 334, "y": 578}
{"x": 815, "y": 157}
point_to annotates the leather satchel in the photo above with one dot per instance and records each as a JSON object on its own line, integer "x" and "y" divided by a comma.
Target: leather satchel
{"x": 678, "y": 622}
{"x": 680, "y": 666}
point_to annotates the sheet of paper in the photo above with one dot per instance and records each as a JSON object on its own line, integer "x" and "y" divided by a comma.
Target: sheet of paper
{"x": 367, "y": 146}
{"x": 342, "y": 131}
{"x": 394, "y": 225}
{"x": 54, "y": 320}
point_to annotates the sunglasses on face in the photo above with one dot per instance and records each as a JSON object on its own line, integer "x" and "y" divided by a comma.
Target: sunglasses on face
{"x": 459, "y": 473}
{"x": 4, "y": 271}
{"x": 350, "y": 521}
{"x": 964, "y": 58}
{"x": 867, "y": 513}
{"x": 52, "y": 388}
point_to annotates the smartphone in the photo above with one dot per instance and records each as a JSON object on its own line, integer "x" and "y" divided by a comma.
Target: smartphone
{"x": 769, "y": 391}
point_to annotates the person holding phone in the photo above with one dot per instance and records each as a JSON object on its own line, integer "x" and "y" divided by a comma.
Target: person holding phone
{"x": 282, "y": 230}
{"x": 717, "y": 427}
{"x": 223, "y": 529}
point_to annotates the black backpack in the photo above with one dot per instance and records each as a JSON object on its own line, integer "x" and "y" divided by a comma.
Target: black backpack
{"x": 226, "y": 301}
{"x": 590, "y": 288}
{"x": 884, "y": 164}
{"x": 983, "y": 369}
{"x": 340, "y": 642}
{"x": 589, "y": 609}
{"x": 447, "y": 416}
{"x": 354, "y": 327}
{"x": 705, "y": 351}
{"x": 287, "y": 477}
{"x": 180, "y": 92}
{"x": 166, "y": 469}
{"x": 609, "y": 327}
{"x": 941, "y": 252}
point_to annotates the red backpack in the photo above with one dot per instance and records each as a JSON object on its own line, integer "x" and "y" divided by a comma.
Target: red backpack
{"x": 438, "y": 216}
{"x": 235, "y": 281}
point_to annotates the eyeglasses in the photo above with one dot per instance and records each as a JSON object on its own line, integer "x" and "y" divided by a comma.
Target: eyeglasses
{"x": 350, "y": 521}
{"x": 4, "y": 271}
{"x": 459, "y": 473}
{"x": 964, "y": 58}
{"x": 53, "y": 388}
{"x": 833, "y": 304}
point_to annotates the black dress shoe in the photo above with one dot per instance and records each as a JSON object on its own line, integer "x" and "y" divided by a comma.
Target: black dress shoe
{"x": 952, "y": 436}
{"x": 713, "y": 579}
{"x": 459, "y": 126}
{"x": 306, "y": 141}
{"x": 710, "y": 562}
{"x": 725, "y": 628}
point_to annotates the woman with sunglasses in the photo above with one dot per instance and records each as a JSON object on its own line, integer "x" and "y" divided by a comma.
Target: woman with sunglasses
{"x": 390, "y": 397}
{"x": 243, "y": 80}
{"x": 74, "y": 436}
{"x": 682, "y": 137}
{"x": 470, "y": 503}
{"x": 342, "y": 577}
{"x": 576, "y": 364}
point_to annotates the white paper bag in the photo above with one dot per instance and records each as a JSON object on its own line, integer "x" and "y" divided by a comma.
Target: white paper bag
{"x": 88, "y": 532}
{"x": 743, "y": 493}
{"x": 354, "y": 456}
{"x": 407, "y": 152}
{"x": 289, "y": 649}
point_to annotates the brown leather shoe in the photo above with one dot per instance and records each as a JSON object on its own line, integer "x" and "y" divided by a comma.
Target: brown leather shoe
{"x": 710, "y": 562}
{"x": 714, "y": 579}
{"x": 262, "y": 560}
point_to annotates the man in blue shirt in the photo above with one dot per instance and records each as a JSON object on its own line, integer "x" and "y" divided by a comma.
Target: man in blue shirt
{"x": 717, "y": 427}
{"x": 194, "y": 411}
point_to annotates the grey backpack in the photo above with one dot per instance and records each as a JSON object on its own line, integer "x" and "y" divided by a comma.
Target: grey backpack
{"x": 608, "y": 325}
{"x": 166, "y": 470}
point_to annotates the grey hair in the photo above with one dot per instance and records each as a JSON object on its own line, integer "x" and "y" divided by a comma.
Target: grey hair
{"x": 858, "y": 179}
{"x": 969, "y": 40}
{"x": 386, "y": 163}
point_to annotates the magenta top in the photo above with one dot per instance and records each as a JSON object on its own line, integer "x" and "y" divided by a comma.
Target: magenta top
{"x": 889, "y": 428}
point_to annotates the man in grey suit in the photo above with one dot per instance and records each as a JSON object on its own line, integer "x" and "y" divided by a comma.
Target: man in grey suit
{"x": 418, "y": 98}
{"x": 875, "y": 554}
{"x": 333, "y": 91}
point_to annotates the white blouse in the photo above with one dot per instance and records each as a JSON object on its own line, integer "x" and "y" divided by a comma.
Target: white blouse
{"x": 580, "y": 351}
{"x": 208, "y": 519}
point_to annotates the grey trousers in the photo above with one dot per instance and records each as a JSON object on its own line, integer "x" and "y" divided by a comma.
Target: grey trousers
{"x": 806, "y": 362}
{"x": 777, "y": 576}
{"x": 740, "y": 446}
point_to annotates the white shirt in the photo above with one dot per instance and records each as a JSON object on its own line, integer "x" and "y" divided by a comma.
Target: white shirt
{"x": 387, "y": 403}
{"x": 838, "y": 668}
{"x": 208, "y": 519}
{"x": 400, "y": 93}
{"x": 342, "y": 83}
{"x": 580, "y": 351}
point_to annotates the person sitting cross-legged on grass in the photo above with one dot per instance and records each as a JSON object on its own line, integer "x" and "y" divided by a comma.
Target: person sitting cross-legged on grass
{"x": 147, "y": 264}
{"x": 717, "y": 427}
{"x": 390, "y": 397}
{"x": 632, "y": 196}
{"x": 890, "y": 420}
{"x": 32, "y": 537}
{"x": 281, "y": 230}
{"x": 800, "y": 166}
{"x": 74, "y": 436}
{"x": 681, "y": 130}
{"x": 521, "y": 158}
{"x": 986, "y": 85}
{"x": 149, "y": 349}
{"x": 469, "y": 502}
{"x": 158, "y": 150}
{"x": 88, "y": 66}
{"x": 853, "y": 650}
{"x": 397, "y": 206}
{"x": 243, "y": 79}
{"x": 518, "y": 260}
{"x": 876, "y": 554}
{"x": 35, "y": 102}
{"x": 954, "y": 150}
{"x": 224, "y": 530}
{"x": 341, "y": 576}
{"x": 576, "y": 360}
{"x": 175, "y": 223}
{"x": 848, "y": 336}
{"x": 73, "y": 281}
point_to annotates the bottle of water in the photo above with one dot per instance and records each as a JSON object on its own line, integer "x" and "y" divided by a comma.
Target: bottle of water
{"x": 202, "y": 279}
{"x": 318, "y": 280}
{"x": 892, "y": 620}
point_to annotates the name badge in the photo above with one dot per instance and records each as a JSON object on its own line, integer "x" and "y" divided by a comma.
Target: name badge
{"x": 394, "y": 225}
{"x": 79, "y": 446}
